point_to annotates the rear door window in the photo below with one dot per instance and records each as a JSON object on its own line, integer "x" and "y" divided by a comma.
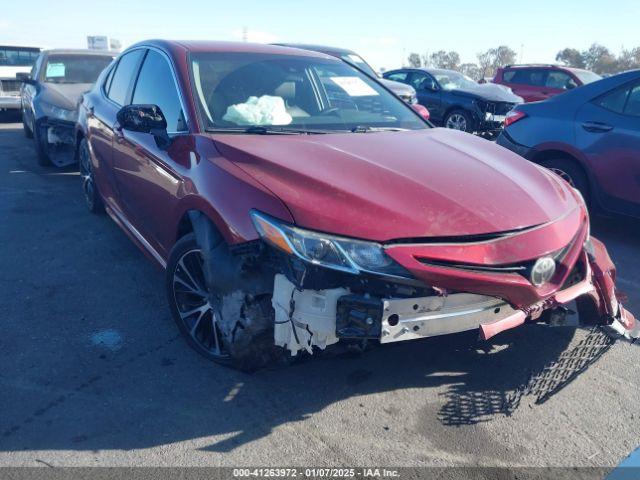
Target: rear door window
{"x": 529, "y": 76}
{"x": 156, "y": 86}
{"x": 123, "y": 76}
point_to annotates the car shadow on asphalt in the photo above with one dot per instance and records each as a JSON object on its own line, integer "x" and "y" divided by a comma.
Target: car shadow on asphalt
{"x": 476, "y": 381}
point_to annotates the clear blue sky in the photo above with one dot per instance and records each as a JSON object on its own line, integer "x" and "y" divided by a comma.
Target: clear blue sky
{"x": 383, "y": 32}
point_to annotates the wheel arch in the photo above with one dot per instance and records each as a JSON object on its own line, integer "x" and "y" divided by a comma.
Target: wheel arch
{"x": 541, "y": 156}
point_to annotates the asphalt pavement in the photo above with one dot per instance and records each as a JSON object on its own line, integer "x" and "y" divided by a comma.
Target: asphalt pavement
{"x": 94, "y": 373}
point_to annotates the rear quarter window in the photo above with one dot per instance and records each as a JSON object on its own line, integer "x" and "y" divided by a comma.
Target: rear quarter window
{"x": 614, "y": 101}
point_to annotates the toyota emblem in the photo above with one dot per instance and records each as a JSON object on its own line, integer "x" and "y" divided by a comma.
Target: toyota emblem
{"x": 542, "y": 271}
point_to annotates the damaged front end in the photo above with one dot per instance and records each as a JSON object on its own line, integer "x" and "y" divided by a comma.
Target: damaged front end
{"x": 56, "y": 134}
{"x": 328, "y": 289}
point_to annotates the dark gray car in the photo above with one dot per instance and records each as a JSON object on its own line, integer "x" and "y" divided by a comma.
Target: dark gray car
{"x": 49, "y": 99}
{"x": 405, "y": 92}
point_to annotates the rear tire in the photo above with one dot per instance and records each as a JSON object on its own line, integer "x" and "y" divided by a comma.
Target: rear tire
{"x": 572, "y": 173}
{"x": 243, "y": 340}
{"x": 42, "y": 145}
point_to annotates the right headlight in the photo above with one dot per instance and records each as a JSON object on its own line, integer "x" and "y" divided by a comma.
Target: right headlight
{"x": 337, "y": 253}
{"x": 55, "y": 112}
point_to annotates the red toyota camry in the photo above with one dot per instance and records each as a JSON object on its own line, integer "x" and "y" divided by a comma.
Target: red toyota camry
{"x": 296, "y": 203}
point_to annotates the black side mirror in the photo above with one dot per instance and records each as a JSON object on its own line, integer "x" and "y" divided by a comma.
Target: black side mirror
{"x": 145, "y": 119}
{"x": 25, "y": 77}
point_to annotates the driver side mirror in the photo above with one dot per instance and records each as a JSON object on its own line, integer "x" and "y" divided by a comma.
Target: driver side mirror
{"x": 145, "y": 119}
{"x": 25, "y": 77}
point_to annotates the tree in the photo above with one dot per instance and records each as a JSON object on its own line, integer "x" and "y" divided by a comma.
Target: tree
{"x": 571, "y": 58}
{"x": 470, "y": 70}
{"x": 490, "y": 60}
{"x": 446, "y": 60}
{"x": 599, "y": 59}
{"x": 629, "y": 60}
{"x": 414, "y": 60}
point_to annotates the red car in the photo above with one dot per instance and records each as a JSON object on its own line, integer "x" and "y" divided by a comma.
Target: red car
{"x": 538, "y": 82}
{"x": 296, "y": 203}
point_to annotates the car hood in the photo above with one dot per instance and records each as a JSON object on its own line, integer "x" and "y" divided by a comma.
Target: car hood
{"x": 397, "y": 87}
{"x": 400, "y": 185}
{"x": 63, "y": 95}
{"x": 489, "y": 91}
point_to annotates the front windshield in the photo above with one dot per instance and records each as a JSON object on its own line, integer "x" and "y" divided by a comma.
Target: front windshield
{"x": 240, "y": 90}
{"x": 454, "y": 81}
{"x": 75, "y": 68}
{"x": 586, "y": 76}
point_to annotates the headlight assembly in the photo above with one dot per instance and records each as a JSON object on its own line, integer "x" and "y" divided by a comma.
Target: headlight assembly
{"x": 54, "y": 112}
{"x": 337, "y": 253}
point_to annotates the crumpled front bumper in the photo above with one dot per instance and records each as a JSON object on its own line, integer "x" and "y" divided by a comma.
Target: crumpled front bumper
{"x": 596, "y": 295}
{"x": 584, "y": 273}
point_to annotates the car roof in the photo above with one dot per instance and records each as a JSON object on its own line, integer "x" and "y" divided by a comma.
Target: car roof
{"x": 26, "y": 47}
{"x": 431, "y": 71}
{"x": 80, "y": 51}
{"x": 548, "y": 66}
{"x": 205, "y": 46}
{"x": 319, "y": 48}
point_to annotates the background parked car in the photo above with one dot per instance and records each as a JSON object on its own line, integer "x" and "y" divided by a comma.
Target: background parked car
{"x": 405, "y": 92}
{"x": 455, "y": 101}
{"x": 590, "y": 136}
{"x": 539, "y": 82}
{"x": 49, "y": 99}
{"x": 14, "y": 60}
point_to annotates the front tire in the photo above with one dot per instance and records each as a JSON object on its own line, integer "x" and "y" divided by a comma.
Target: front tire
{"x": 27, "y": 129}
{"x": 243, "y": 338}
{"x": 459, "y": 120}
{"x": 92, "y": 198}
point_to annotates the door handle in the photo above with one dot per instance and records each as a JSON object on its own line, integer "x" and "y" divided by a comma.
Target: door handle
{"x": 597, "y": 127}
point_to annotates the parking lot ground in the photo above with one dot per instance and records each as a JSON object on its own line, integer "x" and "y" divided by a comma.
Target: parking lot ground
{"x": 93, "y": 372}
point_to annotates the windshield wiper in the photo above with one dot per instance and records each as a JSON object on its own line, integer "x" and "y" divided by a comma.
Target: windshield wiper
{"x": 368, "y": 129}
{"x": 267, "y": 130}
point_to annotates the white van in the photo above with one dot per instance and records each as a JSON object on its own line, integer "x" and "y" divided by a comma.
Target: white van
{"x": 14, "y": 59}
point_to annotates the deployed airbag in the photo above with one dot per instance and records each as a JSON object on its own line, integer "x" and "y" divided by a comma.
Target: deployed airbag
{"x": 264, "y": 110}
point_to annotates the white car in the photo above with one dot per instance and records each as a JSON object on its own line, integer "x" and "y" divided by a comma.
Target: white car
{"x": 14, "y": 60}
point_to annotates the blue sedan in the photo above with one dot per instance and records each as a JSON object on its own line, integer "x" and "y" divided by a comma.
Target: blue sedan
{"x": 590, "y": 136}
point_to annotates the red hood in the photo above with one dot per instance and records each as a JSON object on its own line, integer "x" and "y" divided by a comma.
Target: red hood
{"x": 391, "y": 185}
